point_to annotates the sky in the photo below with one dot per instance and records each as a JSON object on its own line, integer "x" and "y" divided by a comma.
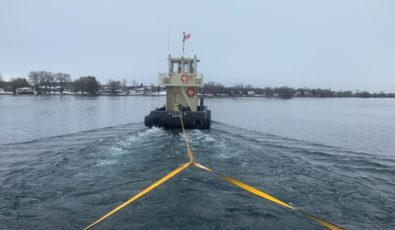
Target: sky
{"x": 336, "y": 44}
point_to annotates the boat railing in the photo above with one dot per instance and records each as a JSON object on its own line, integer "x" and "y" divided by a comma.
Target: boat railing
{"x": 175, "y": 79}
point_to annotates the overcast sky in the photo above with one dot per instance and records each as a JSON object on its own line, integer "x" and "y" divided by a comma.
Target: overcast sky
{"x": 337, "y": 44}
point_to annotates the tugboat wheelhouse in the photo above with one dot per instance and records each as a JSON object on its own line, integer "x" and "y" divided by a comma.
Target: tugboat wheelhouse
{"x": 182, "y": 82}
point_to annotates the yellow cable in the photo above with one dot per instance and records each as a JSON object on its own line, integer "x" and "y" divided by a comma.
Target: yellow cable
{"x": 268, "y": 197}
{"x": 142, "y": 193}
{"x": 189, "y": 152}
{"x": 231, "y": 180}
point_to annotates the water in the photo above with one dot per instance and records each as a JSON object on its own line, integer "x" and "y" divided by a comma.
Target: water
{"x": 65, "y": 161}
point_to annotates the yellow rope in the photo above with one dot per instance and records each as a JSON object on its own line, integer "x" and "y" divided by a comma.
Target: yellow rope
{"x": 142, "y": 193}
{"x": 252, "y": 189}
{"x": 240, "y": 184}
{"x": 189, "y": 152}
{"x": 268, "y": 197}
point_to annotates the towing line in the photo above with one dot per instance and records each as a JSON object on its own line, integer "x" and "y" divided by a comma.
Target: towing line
{"x": 240, "y": 184}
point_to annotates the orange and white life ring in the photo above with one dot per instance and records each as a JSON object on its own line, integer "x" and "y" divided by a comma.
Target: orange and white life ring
{"x": 191, "y": 92}
{"x": 184, "y": 78}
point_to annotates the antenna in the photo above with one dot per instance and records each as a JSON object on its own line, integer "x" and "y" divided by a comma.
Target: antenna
{"x": 183, "y": 43}
{"x": 168, "y": 40}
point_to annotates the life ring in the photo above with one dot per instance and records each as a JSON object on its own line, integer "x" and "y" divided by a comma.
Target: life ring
{"x": 191, "y": 92}
{"x": 184, "y": 78}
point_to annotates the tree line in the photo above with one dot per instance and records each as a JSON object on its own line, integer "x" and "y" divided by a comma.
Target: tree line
{"x": 44, "y": 82}
{"x": 217, "y": 89}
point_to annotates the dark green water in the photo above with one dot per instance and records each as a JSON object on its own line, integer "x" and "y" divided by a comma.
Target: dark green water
{"x": 66, "y": 161}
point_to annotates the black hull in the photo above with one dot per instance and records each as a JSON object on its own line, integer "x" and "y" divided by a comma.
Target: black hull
{"x": 171, "y": 119}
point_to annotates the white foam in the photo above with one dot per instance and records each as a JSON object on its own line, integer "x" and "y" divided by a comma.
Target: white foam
{"x": 154, "y": 131}
{"x": 104, "y": 163}
{"x": 116, "y": 149}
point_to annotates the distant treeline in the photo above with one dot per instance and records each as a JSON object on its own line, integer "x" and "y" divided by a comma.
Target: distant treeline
{"x": 44, "y": 82}
{"x": 217, "y": 89}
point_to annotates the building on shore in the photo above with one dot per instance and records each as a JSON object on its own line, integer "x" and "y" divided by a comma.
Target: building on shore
{"x": 24, "y": 90}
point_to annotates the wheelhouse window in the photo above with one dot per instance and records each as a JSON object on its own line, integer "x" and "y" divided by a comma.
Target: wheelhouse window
{"x": 186, "y": 67}
{"x": 176, "y": 67}
{"x": 182, "y": 66}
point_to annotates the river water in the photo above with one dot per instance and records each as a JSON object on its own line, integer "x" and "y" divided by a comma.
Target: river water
{"x": 65, "y": 161}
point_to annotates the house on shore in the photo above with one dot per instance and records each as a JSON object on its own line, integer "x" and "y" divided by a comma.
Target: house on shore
{"x": 5, "y": 87}
{"x": 24, "y": 90}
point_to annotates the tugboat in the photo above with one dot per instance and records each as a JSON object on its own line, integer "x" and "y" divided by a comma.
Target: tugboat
{"x": 182, "y": 83}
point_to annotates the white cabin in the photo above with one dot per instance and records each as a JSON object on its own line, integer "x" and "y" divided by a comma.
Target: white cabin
{"x": 182, "y": 83}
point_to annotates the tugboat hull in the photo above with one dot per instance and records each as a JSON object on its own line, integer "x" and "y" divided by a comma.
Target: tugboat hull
{"x": 171, "y": 119}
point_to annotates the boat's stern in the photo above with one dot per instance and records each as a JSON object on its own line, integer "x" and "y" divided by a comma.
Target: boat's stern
{"x": 171, "y": 119}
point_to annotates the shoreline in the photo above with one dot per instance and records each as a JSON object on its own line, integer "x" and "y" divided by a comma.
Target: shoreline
{"x": 205, "y": 96}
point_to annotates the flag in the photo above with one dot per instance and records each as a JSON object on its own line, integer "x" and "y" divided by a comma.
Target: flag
{"x": 186, "y": 37}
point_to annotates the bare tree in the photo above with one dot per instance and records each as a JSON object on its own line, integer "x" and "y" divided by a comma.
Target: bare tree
{"x": 239, "y": 86}
{"x": 268, "y": 91}
{"x": 40, "y": 80}
{"x": 284, "y": 92}
{"x": 87, "y": 84}
{"x": 34, "y": 79}
{"x": 134, "y": 83}
{"x": 1, "y": 78}
{"x": 124, "y": 84}
{"x": 63, "y": 79}
{"x": 45, "y": 81}
{"x": 114, "y": 86}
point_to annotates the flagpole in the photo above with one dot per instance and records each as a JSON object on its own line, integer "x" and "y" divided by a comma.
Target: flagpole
{"x": 183, "y": 43}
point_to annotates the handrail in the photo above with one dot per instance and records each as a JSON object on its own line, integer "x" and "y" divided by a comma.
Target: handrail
{"x": 196, "y": 75}
{"x": 174, "y": 79}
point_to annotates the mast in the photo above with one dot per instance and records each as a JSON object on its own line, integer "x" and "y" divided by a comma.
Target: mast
{"x": 183, "y": 43}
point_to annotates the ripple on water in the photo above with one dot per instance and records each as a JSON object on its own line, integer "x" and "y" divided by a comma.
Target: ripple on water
{"x": 68, "y": 181}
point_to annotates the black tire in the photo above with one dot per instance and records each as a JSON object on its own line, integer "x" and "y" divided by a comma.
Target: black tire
{"x": 198, "y": 124}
